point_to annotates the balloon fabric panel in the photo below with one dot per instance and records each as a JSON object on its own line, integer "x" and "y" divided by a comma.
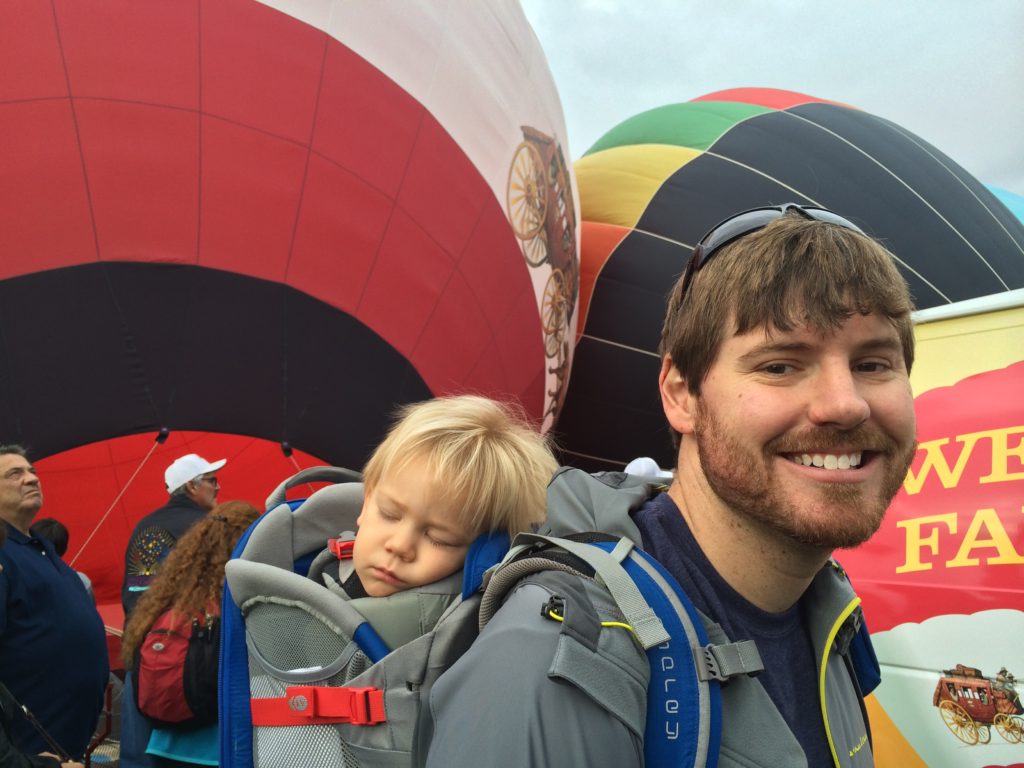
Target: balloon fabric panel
{"x": 143, "y": 53}
{"x": 833, "y": 163}
{"x": 617, "y": 417}
{"x": 142, "y": 167}
{"x": 628, "y": 302}
{"x": 702, "y": 193}
{"x": 773, "y": 98}
{"x": 191, "y": 348}
{"x": 45, "y": 221}
{"x": 338, "y": 234}
{"x": 360, "y": 112}
{"x": 693, "y": 124}
{"x": 30, "y": 57}
{"x": 621, "y": 181}
{"x": 600, "y": 241}
{"x": 929, "y": 172}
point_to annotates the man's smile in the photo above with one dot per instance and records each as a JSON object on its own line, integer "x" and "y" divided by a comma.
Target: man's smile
{"x": 851, "y": 460}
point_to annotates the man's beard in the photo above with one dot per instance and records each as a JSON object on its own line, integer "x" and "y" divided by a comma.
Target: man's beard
{"x": 838, "y": 515}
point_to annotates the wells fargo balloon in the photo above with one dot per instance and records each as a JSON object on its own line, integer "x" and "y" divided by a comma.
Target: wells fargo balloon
{"x": 651, "y": 186}
{"x": 276, "y": 219}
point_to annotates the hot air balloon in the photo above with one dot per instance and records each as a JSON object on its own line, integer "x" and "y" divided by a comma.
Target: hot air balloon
{"x": 651, "y": 186}
{"x": 275, "y": 220}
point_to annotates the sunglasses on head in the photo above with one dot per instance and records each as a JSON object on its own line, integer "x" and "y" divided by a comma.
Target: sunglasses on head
{"x": 745, "y": 223}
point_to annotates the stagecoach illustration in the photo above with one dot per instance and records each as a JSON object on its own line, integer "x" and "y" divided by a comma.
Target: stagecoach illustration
{"x": 543, "y": 217}
{"x": 970, "y": 704}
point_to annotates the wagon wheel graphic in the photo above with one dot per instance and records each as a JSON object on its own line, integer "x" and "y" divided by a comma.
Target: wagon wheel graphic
{"x": 527, "y": 194}
{"x": 554, "y": 312}
{"x": 1010, "y": 728}
{"x": 959, "y": 722}
{"x": 535, "y": 250}
{"x": 984, "y": 733}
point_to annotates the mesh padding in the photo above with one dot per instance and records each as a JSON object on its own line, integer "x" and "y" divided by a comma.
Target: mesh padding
{"x": 290, "y": 636}
{"x": 307, "y": 745}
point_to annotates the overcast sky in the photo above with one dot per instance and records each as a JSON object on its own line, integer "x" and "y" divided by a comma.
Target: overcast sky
{"x": 951, "y": 71}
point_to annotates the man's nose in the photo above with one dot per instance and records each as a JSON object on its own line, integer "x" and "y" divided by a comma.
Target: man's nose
{"x": 838, "y": 399}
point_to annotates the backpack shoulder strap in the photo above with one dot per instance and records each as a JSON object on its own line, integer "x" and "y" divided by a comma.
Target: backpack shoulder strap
{"x": 683, "y": 723}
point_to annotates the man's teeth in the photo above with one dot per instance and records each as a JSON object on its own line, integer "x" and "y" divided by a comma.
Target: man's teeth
{"x": 827, "y": 460}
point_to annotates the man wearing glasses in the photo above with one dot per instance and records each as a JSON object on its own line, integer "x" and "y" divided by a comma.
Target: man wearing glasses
{"x": 786, "y": 352}
{"x": 192, "y": 484}
{"x": 53, "y": 651}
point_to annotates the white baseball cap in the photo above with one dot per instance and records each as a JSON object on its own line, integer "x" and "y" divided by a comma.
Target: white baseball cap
{"x": 188, "y": 467}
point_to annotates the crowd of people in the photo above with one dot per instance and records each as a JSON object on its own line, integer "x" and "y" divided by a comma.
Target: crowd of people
{"x": 786, "y": 352}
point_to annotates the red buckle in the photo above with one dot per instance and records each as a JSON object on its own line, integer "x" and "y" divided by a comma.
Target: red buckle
{"x": 341, "y": 549}
{"x": 366, "y": 706}
{"x": 309, "y": 705}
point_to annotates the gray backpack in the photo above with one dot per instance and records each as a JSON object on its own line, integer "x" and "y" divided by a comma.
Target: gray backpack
{"x": 310, "y": 678}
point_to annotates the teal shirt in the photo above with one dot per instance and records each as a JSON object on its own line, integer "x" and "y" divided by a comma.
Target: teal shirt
{"x": 192, "y": 745}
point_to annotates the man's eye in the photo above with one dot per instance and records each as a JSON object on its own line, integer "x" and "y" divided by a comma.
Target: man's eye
{"x": 776, "y": 369}
{"x": 872, "y": 366}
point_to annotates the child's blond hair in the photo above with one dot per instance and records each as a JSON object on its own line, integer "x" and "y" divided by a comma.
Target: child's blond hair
{"x": 483, "y": 454}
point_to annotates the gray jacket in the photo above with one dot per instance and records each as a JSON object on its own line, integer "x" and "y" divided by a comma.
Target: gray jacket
{"x": 535, "y": 692}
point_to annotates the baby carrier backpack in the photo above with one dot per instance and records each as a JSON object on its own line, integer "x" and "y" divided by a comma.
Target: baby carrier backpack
{"x": 311, "y": 679}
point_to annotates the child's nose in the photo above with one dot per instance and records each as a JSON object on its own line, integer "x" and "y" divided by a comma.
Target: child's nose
{"x": 402, "y": 543}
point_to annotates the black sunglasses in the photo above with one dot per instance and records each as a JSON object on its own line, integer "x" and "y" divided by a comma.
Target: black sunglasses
{"x": 745, "y": 223}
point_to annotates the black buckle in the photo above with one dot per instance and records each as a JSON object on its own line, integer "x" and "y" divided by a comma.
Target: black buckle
{"x": 555, "y": 605}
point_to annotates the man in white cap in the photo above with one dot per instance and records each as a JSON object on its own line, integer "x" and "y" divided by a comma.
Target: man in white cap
{"x": 192, "y": 483}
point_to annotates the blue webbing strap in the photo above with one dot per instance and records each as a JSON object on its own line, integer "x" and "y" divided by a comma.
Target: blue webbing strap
{"x": 486, "y": 550}
{"x": 370, "y": 642}
{"x": 235, "y": 711}
{"x": 684, "y": 715}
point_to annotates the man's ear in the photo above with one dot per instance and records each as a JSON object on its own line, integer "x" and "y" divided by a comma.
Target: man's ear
{"x": 676, "y": 399}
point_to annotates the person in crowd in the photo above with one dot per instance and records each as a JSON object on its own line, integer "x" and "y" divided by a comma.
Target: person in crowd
{"x": 53, "y": 651}
{"x": 191, "y": 581}
{"x": 786, "y": 353}
{"x": 193, "y": 486}
{"x": 53, "y": 529}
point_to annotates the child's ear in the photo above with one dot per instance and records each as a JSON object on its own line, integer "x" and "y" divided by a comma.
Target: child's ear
{"x": 362, "y": 510}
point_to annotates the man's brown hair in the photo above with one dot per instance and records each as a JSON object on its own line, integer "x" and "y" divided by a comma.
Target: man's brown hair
{"x": 793, "y": 272}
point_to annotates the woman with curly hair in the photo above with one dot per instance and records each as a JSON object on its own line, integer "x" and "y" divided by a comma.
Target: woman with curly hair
{"x": 190, "y": 581}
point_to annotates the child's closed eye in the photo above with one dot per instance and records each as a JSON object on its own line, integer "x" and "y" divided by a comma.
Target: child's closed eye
{"x": 388, "y": 514}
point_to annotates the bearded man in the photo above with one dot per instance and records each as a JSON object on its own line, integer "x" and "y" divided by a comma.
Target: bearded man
{"x": 786, "y": 353}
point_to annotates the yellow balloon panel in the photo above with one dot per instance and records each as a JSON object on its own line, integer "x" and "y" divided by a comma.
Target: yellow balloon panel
{"x": 617, "y": 185}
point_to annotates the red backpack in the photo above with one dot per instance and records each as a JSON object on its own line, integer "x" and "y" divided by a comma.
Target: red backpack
{"x": 175, "y": 669}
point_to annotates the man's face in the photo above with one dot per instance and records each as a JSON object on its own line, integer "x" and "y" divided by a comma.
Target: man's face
{"x": 809, "y": 434}
{"x": 20, "y": 491}
{"x": 205, "y": 490}
{"x": 407, "y": 536}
